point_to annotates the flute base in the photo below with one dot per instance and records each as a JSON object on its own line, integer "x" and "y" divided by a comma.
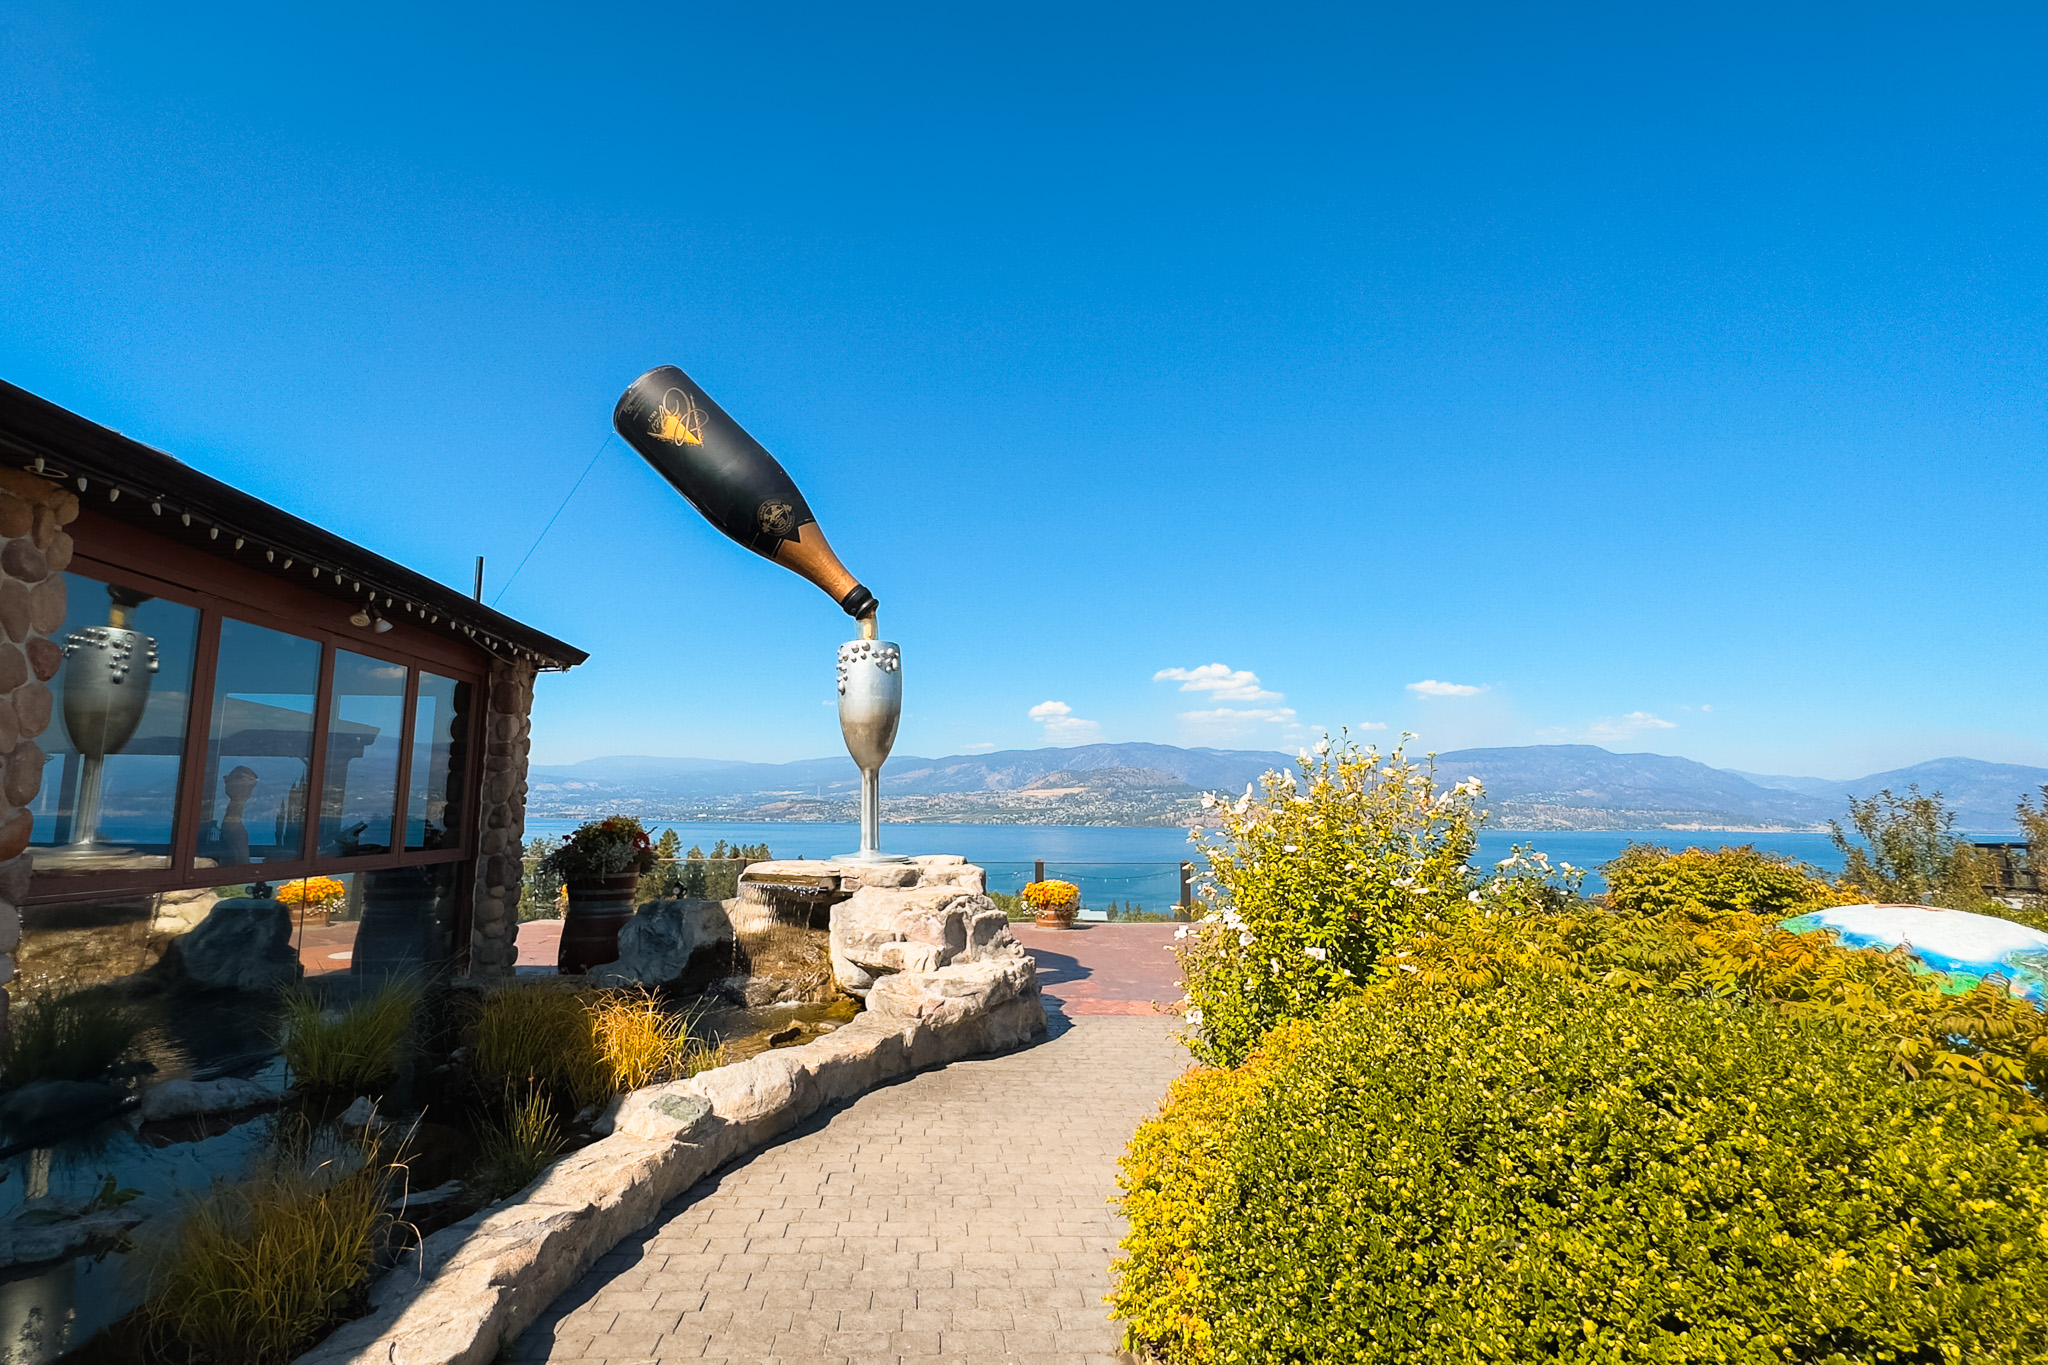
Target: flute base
{"x": 869, "y": 855}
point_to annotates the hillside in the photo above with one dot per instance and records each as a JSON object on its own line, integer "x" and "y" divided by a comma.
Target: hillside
{"x": 1547, "y": 786}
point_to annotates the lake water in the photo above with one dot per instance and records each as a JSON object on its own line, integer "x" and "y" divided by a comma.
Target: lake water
{"x": 1140, "y": 866}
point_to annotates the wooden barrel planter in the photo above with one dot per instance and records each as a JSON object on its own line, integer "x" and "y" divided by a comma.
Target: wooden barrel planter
{"x": 598, "y": 908}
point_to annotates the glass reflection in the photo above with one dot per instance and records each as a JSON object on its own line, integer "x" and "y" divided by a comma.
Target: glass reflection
{"x": 259, "y": 748}
{"x": 118, "y": 742}
{"x": 360, "y": 795}
{"x": 374, "y": 924}
{"x": 440, "y": 764}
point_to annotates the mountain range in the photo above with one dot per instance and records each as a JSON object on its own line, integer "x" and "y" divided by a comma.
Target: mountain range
{"x": 1542, "y": 786}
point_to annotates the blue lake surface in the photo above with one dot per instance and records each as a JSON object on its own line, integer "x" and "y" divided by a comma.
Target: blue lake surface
{"x": 1103, "y": 860}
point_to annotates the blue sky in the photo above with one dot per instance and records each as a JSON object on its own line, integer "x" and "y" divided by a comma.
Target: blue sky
{"x": 1670, "y": 380}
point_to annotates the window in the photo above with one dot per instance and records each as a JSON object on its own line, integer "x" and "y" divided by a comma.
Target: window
{"x": 259, "y": 750}
{"x": 110, "y": 790}
{"x": 435, "y": 806}
{"x": 359, "y": 799}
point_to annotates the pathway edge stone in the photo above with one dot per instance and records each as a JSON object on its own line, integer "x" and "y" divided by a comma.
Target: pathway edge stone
{"x": 474, "y": 1286}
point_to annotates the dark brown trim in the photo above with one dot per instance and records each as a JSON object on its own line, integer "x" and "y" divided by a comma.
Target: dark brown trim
{"x": 198, "y": 730}
{"x": 401, "y": 811}
{"x": 316, "y": 761}
{"x": 166, "y": 499}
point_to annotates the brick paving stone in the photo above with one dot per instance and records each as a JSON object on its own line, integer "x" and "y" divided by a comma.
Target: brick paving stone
{"x": 958, "y": 1215}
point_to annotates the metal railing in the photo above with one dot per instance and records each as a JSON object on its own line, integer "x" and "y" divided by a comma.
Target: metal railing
{"x": 1110, "y": 892}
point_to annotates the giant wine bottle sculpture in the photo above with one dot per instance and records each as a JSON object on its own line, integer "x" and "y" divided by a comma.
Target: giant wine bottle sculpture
{"x": 728, "y": 477}
{"x": 740, "y": 489}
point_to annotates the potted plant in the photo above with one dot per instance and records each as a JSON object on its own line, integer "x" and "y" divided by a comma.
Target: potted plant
{"x": 312, "y": 899}
{"x": 1053, "y": 903}
{"x": 600, "y": 866}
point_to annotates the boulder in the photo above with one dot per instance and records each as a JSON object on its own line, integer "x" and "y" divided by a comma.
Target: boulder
{"x": 880, "y": 931}
{"x": 657, "y": 944}
{"x": 181, "y": 1099}
{"x": 42, "y": 1105}
{"x": 244, "y": 944}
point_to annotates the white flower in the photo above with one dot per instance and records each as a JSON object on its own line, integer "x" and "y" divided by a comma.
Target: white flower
{"x": 1244, "y": 940}
{"x": 1195, "y": 1018}
{"x": 1183, "y": 931}
{"x": 1289, "y": 848}
{"x": 1208, "y": 800}
{"x": 1319, "y": 954}
{"x": 1323, "y": 747}
{"x": 1472, "y": 896}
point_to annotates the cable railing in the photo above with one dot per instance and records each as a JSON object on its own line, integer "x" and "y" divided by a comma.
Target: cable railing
{"x": 1124, "y": 892}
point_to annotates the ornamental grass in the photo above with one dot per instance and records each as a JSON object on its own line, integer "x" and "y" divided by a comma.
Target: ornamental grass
{"x": 352, "y": 1048}
{"x": 255, "y": 1272}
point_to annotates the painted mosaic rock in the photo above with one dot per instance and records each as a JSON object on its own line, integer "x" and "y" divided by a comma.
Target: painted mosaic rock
{"x": 1960, "y": 946}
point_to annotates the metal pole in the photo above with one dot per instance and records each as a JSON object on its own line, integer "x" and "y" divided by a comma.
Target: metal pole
{"x": 871, "y": 810}
{"x": 1187, "y": 899}
{"x": 479, "y": 578}
{"x": 1038, "y": 874}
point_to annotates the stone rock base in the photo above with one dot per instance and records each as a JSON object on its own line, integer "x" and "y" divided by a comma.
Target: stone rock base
{"x": 474, "y": 1286}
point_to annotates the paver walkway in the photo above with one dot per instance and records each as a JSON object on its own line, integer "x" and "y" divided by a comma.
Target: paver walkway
{"x": 958, "y": 1214}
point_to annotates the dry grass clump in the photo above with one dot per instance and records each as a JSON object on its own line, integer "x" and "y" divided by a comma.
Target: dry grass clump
{"x": 73, "y": 1036}
{"x": 638, "y": 1041}
{"x": 350, "y": 1048}
{"x": 257, "y": 1271}
{"x": 582, "y": 1046}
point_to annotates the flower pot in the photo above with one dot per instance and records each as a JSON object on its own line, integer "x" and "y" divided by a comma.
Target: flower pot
{"x": 313, "y": 916}
{"x": 598, "y": 908}
{"x": 1053, "y": 919}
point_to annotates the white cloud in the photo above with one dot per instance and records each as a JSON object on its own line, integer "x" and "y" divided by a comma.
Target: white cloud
{"x": 978, "y": 747}
{"x": 1220, "y": 681}
{"x": 1226, "y": 721}
{"x": 1430, "y": 687}
{"x": 1623, "y": 727}
{"x": 1062, "y": 726}
{"x": 1370, "y": 725}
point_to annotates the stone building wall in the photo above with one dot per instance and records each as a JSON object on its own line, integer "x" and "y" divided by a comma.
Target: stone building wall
{"x": 494, "y": 921}
{"x": 34, "y": 550}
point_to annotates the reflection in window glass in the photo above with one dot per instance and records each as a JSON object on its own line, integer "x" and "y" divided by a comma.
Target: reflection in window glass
{"x": 118, "y": 740}
{"x": 440, "y": 761}
{"x": 260, "y": 748}
{"x": 357, "y": 929}
{"x": 360, "y": 796}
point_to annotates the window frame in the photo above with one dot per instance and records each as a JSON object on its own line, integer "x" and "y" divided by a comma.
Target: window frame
{"x": 413, "y": 654}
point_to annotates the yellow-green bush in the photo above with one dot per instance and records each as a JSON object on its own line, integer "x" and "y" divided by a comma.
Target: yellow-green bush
{"x": 1646, "y": 879}
{"x": 1561, "y": 1172}
{"x": 1985, "y": 1039}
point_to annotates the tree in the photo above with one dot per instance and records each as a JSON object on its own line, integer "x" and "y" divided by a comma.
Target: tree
{"x": 1911, "y": 854}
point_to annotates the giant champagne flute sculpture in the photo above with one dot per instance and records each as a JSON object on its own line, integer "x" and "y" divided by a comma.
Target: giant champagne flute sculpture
{"x": 740, "y": 489}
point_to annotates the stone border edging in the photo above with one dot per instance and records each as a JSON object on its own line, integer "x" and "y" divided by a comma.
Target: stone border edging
{"x": 481, "y": 1282}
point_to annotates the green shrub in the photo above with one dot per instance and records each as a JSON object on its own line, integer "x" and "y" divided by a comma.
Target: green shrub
{"x": 351, "y": 1048}
{"x": 76, "y": 1036}
{"x": 1647, "y": 879}
{"x": 1554, "y": 1172}
{"x": 1012, "y": 906}
{"x": 1317, "y": 875}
